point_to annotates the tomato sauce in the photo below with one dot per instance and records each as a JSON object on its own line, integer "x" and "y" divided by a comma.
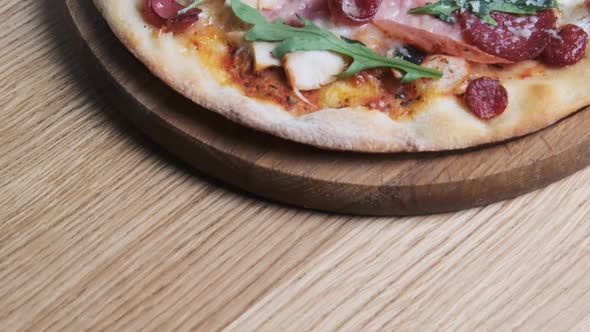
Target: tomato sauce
{"x": 270, "y": 84}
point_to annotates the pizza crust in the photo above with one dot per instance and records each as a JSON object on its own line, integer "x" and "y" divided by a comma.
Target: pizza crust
{"x": 442, "y": 124}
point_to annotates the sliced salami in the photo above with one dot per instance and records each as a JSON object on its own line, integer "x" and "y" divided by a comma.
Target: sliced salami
{"x": 181, "y": 23}
{"x": 164, "y": 14}
{"x": 354, "y": 11}
{"x": 515, "y": 37}
{"x": 166, "y": 8}
{"x": 566, "y": 47}
{"x": 151, "y": 15}
{"x": 486, "y": 97}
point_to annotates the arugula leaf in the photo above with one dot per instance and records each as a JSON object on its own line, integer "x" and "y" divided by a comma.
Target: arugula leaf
{"x": 444, "y": 9}
{"x": 189, "y": 7}
{"x": 513, "y": 7}
{"x": 311, "y": 37}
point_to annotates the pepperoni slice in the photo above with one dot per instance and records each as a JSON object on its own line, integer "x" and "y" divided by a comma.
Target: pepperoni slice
{"x": 567, "y": 47}
{"x": 151, "y": 16}
{"x": 164, "y": 14}
{"x": 515, "y": 38}
{"x": 486, "y": 97}
{"x": 166, "y": 8}
{"x": 354, "y": 11}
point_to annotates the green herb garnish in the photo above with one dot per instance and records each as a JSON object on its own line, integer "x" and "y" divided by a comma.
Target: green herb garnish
{"x": 311, "y": 37}
{"x": 190, "y": 7}
{"x": 444, "y": 9}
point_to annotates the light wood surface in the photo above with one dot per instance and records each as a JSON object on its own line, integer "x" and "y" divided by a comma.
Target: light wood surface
{"x": 362, "y": 184}
{"x": 101, "y": 230}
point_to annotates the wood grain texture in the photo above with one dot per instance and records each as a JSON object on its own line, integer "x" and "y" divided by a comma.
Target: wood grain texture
{"x": 101, "y": 230}
{"x": 392, "y": 184}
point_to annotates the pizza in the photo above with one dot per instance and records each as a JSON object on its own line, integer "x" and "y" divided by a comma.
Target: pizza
{"x": 369, "y": 75}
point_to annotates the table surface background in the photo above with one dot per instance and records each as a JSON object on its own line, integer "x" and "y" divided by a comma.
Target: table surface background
{"x": 100, "y": 229}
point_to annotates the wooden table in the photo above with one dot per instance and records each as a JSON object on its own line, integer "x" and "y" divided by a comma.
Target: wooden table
{"x": 100, "y": 229}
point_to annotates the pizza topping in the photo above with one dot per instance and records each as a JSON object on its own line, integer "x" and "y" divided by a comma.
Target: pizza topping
{"x": 311, "y": 37}
{"x": 502, "y": 30}
{"x": 190, "y": 7}
{"x": 455, "y": 70}
{"x": 566, "y": 47}
{"x": 288, "y": 10}
{"x": 411, "y": 53}
{"x": 427, "y": 32}
{"x": 151, "y": 15}
{"x": 182, "y": 22}
{"x": 574, "y": 12}
{"x": 445, "y": 9}
{"x": 171, "y": 15}
{"x": 486, "y": 98}
{"x": 515, "y": 37}
{"x": 312, "y": 69}
{"x": 263, "y": 57}
{"x": 166, "y": 9}
{"x": 354, "y": 11}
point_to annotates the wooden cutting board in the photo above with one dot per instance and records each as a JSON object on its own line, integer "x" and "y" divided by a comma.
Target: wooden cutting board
{"x": 390, "y": 184}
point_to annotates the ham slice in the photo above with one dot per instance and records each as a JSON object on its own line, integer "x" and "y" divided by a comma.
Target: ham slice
{"x": 289, "y": 9}
{"x": 427, "y": 32}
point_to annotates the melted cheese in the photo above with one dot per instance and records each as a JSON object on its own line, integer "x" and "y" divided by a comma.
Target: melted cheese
{"x": 574, "y": 12}
{"x": 344, "y": 93}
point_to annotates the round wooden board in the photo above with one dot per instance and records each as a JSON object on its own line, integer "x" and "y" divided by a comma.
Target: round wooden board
{"x": 391, "y": 184}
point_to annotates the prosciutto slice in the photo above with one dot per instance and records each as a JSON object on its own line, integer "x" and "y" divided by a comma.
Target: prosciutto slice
{"x": 427, "y": 32}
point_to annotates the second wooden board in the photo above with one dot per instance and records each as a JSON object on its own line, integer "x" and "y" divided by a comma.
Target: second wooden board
{"x": 392, "y": 184}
